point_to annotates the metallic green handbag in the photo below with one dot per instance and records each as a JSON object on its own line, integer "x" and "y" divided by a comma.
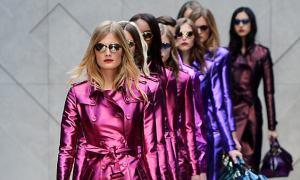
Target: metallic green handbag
{"x": 238, "y": 171}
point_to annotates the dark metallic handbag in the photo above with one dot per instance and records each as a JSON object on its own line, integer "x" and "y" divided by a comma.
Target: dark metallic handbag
{"x": 277, "y": 162}
{"x": 238, "y": 171}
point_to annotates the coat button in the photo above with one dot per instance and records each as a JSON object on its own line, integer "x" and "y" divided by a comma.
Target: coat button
{"x": 124, "y": 164}
{"x": 128, "y": 116}
{"x": 94, "y": 118}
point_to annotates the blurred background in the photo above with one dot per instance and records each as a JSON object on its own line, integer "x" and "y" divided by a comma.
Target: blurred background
{"x": 41, "y": 40}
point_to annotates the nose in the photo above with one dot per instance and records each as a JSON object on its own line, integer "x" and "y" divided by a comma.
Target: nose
{"x": 107, "y": 52}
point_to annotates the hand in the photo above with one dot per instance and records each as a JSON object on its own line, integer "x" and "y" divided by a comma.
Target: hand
{"x": 196, "y": 177}
{"x": 203, "y": 176}
{"x": 272, "y": 135}
{"x": 234, "y": 154}
{"x": 236, "y": 141}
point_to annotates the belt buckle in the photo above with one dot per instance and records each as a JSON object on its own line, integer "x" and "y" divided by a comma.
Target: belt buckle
{"x": 116, "y": 171}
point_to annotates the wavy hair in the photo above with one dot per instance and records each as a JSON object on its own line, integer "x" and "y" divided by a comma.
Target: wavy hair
{"x": 140, "y": 53}
{"x": 128, "y": 74}
{"x": 193, "y": 5}
{"x": 213, "y": 41}
{"x": 197, "y": 51}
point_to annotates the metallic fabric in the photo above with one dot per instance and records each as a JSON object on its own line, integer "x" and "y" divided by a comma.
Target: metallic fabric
{"x": 247, "y": 71}
{"x": 215, "y": 89}
{"x": 110, "y": 126}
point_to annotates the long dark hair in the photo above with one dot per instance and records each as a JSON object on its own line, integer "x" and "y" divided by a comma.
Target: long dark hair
{"x": 154, "y": 55}
{"x": 235, "y": 42}
{"x": 172, "y": 61}
{"x": 138, "y": 53}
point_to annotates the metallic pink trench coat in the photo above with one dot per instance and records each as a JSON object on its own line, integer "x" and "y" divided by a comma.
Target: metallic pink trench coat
{"x": 167, "y": 144}
{"x": 200, "y": 129}
{"x": 186, "y": 126}
{"x": 110, "y": 126}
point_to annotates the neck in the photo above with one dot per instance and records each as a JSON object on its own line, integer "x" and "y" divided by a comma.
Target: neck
{"x": 109, "y": 77}
{"x": 185, "y": 57}
{"x": 243, "y": 50}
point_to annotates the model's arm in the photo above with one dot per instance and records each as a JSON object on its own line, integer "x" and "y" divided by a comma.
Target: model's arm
{"x": 68, "y": 137}
{"x": 150, "y": 141}
{"x": 220, "y": 105}
{"x": 268, "y": 79}
{"x": 189, "y": 122}
{"x": 227, "y": 95}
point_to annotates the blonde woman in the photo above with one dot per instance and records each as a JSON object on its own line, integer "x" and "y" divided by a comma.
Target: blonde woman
{"x": 111, "y": 111}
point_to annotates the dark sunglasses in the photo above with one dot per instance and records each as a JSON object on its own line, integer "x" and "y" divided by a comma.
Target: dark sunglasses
{"x": 113, "y": 47}
{"x": 186, "y": 34}
{"x": 165, "y": 45}
{"x": 203, "y": 27}
{"x": 131, "y": 43}
{"x": 243, "y": 21}
{"x": 147, "y": 35}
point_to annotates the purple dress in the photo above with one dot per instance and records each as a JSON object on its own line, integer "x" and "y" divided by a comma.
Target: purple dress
{"x": 219, "y": 122}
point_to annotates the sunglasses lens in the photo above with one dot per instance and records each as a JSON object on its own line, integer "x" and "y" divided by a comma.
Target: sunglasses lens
{"x": 114, "y": 47}
{"x": 185, "y": 34}
{"x": 243, "y": 21}
{"x": 179, "y": 34}
{"x": 203, "y": 27}
{"x": 147, "y": 35}
{"x": 189, "y": 34}
{"x": 165, "y": 45}
{"x": 131, "y": 43}
{"x": 100, "y": 47}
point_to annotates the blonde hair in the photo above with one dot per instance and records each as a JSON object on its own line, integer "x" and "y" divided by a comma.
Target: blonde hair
{"x": 128, "y": 73}
{"x": 213, "y": 41}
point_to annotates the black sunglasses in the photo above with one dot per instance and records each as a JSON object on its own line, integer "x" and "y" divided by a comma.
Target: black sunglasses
{"x": 131, "y": 43}
{"x": 186, "y": 34}
{"x": 203, "y": 27}
{"x": 113, "y": 47}
{"x": 165, "y": 45}
{"x": 147, "y": 35}
{"x": 243, "y": 21}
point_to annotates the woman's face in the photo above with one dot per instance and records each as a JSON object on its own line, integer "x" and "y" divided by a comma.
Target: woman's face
{"x": 146, "y": 31}
{"x": 165, "y": 48}
{"x": 130, "y": 41}
{"x": 203, "y": 29}
{"x": 185, "y": 38}
{"x": 242, "y": 25}
{"x": 108, "y": 52}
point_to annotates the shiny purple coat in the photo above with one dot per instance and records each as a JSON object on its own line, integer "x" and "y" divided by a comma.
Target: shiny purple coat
{"x": 110, "y": 126}
{"x": 215, "y": 89}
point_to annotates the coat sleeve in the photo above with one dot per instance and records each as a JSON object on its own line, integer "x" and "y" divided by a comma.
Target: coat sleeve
{"x": 220, "y": 105}
{"x": 227, "y": 90}
{"x": 200, "y": 129}
{"x": 189, "y": 122}
{"x": 150, "y": 141}
{"x": 268, "y": 79}
{"x": 80, "y": 157}
{"x": 68, "y": 137}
